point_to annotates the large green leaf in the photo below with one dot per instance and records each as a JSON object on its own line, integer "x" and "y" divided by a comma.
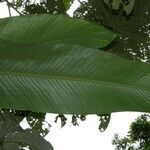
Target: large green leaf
{"x": 46, "y": 29}
{"x": 41, "y": 70}
{"x": 68, "y": 79}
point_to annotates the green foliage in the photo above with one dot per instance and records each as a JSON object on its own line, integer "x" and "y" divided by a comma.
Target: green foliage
{"x": 138, "y": 137}
{"x": 126, "y": 5}
{"x": 140, "y": 131}
{"x": 36, "y": 121}
{"x": 45, "y": 72}
{"x": 123, "y": 143}
{"x": 67, "y": 3}
{"x": 48, "y": 6}
{"x": 133, "y": 31}
{"x": 48, "y": 49}
{"x": 42, "y": 30}
{"x": 46, "y": 64}
{"x": 14, "y": 137}
{"x": 43, "y": 6}
{"x": 48, "y": 73}
{"x": 73, "y": 35}
{"x": 104, "y": 119}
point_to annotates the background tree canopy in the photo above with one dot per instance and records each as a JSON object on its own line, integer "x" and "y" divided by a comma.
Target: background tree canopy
{"x": 138, "y": 137}
{"x": 133, "y": 30}
{"x": 41, "y": 7}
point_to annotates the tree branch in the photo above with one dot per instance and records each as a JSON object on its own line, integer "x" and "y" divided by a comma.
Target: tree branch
{"x": 9, "y": 10}
{"x": 11, "y": 5}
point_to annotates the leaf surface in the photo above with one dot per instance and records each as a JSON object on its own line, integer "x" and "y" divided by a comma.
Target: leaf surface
{"x": 69, "y": 79}
{"x": 53, "y": 29}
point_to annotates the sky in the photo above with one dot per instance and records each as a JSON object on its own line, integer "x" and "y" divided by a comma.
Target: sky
{"x": 86, "y": 136}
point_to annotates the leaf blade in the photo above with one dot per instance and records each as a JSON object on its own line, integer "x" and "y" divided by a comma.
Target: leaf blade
{"x": 43, "y": 29}
{"x": 68, "y": 79}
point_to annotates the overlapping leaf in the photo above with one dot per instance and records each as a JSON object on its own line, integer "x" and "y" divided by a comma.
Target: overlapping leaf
{"x": 43, "y": 71}
{"x": 46, "y": 29}
{"x": 71, "y": 79}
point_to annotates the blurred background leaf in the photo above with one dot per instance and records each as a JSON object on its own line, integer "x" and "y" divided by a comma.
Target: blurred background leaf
{"x": 14, "y": 137}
